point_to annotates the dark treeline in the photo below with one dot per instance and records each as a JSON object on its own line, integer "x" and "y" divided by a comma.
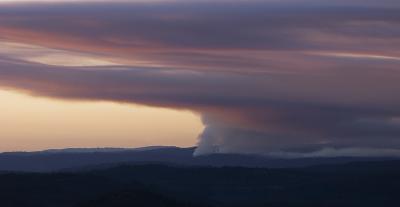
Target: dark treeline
{"x": 361, "y": 184}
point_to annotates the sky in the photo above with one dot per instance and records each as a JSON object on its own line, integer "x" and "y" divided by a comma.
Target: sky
{"x": 289, "y": 78}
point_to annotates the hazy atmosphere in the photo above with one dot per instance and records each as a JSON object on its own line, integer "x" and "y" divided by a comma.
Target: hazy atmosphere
{"x": 199, "y": 103}
{"x": 291, "y": 78}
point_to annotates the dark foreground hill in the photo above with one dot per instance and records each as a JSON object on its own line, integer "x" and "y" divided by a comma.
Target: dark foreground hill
{"x": 361, "y": 184}
{"x": 56, "y": 160}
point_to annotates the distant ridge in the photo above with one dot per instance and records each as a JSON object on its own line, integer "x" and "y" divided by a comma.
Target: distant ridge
{"x": 89, "y": 150}
{"x": 106, "y": 149}
{"x": 76, "y": 158}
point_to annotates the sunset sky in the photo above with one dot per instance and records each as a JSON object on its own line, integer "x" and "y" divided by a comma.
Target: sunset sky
{"x": 284, "y": 78}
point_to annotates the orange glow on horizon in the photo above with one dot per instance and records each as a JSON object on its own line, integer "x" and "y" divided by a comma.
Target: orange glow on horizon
{"x": 31, "y": 123}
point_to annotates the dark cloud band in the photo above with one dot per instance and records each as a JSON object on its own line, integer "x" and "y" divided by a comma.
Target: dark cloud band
{"x": 267, "y": 77}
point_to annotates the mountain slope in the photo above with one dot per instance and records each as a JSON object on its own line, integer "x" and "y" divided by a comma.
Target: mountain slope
{"x": 56, "y": 160}
{"x": 361, "y": 184}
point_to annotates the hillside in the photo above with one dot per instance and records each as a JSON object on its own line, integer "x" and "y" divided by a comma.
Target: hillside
{"x": 360, "y": 184}
{"x": 56, "y": 160}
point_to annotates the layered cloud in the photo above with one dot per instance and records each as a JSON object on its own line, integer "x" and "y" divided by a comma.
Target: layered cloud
{"x": 277, "y": 77}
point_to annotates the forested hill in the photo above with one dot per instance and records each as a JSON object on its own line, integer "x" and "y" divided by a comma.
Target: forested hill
{"x": 56, "y": 160}
{"x": 360, "y": 184}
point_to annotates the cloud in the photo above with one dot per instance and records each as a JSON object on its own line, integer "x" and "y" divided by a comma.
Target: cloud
{"x": 267, "y": 77}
